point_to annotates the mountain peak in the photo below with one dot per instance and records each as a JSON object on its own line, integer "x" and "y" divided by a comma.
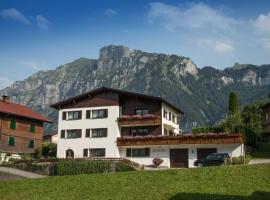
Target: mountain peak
{"x": 114, "y": 52}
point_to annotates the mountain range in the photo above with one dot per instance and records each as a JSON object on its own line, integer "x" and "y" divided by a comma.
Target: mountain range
{"x": 202, "y": 94}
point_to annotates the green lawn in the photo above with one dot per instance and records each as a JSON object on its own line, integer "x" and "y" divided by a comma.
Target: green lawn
{"x": 213, "y": 183}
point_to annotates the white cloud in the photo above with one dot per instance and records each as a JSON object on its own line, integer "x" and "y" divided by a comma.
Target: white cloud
{"x": 5, "y": 82}
{"x": 195, "y": 15}
{"x": 262, "y": 23}
{"x": 14, "y": 14}
{"x": 218, "y": 46}
{"x": 109, "y": 12}
{"x": 42, "y": 22}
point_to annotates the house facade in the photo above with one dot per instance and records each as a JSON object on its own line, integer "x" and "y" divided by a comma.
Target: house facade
{"x": 50, "y": 138}
{"x": 21, "y": 128}
{"x": 113, "y": 123}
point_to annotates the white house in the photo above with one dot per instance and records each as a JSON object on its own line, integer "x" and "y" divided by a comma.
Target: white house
{"x": 113, "y": 123}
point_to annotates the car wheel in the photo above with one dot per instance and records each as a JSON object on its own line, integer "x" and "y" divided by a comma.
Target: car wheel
{"x": 200, "y": 165}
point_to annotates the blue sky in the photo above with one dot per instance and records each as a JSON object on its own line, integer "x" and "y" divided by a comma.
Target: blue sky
{"x": 40, "y": 35}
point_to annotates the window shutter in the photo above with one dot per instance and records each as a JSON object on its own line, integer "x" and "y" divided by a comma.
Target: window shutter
{"x": 11, "y": 141}
{"x": 105, "y": 132}
{"x": 12, "y": 124}
{"x": 88, "y": 114}
{"x": 147, "y": 152}
{"x": 85, "y": 152}
{"x": 80, "y": 132}
{"x": 64, "y": 115}
{"x": 62, "y": 133}
{"x": 31, "y": 144}
{"x": 87, "y": 133}
{"x": 170, "y": 116}
{"x": 128, "y": 153}
{"x": 80, "y": 114}
{"x": 105, "y": 113}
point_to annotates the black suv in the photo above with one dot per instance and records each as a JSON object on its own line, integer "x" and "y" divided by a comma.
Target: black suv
{"x": 212, "y": 159}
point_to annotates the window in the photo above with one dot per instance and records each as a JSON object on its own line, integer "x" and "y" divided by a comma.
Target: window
{"x": 170, "y": 116}
{"x": 62, "y": 133}
{"x": 31, "y": 144}
{"x": 88, "y": 114}
{"x": 165, "y": 114}
{"x": 99, "y": 132}
{"x": 98, "y": 152}
{"x": 12, "y": 124}
{"x": 75, "y": 133}
{"x": 85, "y": 152}
{"x": 64, "y": 115}
{"x": 87, "y": 133}
{"x": 96, "y": 114}
{"x": 32, "y": 128}
{"x": 139, "y": 132}
{"x": 11, "y": 141}
{"x": 142, "y": 112}
{"x": 173, "y": 118}
{"x": 178, "y": 120}
{"x": 74, "y": 115}
{"x": 145, "y": 152}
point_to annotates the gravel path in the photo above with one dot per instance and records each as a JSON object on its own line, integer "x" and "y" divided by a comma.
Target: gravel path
{"x": 21, "y": 173}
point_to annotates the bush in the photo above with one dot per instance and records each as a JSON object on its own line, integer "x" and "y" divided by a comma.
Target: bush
{"x": 157, "y": 161}
{"x": 238, "y": 160}
{"x": 123, "y": 167}
{"x": 49, "y": 150}
{"x": 73, "y": 167}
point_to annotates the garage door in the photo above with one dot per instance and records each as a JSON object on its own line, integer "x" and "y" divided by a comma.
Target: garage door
{"x": 203, "y": 152}
{"x": 179, "y": 158}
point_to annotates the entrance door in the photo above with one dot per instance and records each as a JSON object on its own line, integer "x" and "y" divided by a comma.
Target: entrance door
{"x": 203, "y": 152}
{"x": 179, "y": 158}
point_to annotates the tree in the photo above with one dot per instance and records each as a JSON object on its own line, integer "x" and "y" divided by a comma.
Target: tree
{"x": 252, "y": 115}
{"x": 233, "y": 104}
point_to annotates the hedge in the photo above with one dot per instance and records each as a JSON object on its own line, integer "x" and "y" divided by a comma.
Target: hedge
{"x": 74, "y": 167}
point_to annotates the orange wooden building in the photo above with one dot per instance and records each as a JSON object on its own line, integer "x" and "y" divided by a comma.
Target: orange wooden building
{"x": 21, "y": 129}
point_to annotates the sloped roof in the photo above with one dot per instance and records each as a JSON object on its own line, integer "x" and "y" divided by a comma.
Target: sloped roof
{"x": 103, "y": 89}
{"x": 9, "y": 107}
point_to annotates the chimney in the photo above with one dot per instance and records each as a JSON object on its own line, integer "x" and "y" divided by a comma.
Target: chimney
{"x": 5, "y": 98}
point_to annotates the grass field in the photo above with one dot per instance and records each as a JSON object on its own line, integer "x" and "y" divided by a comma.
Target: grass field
{"x": 213, "y": 183}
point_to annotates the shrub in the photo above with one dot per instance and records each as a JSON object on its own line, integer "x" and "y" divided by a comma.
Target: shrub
{"x": 157, "y": 161}
{"x": 238, "y": 160}
{"x": 49, "y": 150}
{"x": 123, "y": 167}
{"x": 73, "y": 167}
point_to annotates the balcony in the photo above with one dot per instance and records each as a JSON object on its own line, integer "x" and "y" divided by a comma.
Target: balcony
{"x": 138, "y": 120}
{"x": 210, "y": 138}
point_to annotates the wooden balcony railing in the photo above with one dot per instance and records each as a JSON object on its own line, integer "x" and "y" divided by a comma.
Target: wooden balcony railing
{"x": 213, "y": 138}
{"x": 135, "y": 120}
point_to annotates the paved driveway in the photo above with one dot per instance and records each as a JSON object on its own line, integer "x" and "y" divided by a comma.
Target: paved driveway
{"x": 6, "y": 176}
{"x": 259, "y": 161}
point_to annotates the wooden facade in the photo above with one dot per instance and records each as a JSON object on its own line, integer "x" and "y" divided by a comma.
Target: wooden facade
{"x": 181, "y": 139}
{"x": 135, "y": 121}
{"x": 22, "y": 134}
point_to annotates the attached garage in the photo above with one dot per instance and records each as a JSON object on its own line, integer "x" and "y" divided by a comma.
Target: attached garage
{"x": 203, "y": 152}
{"x": 179, "y": 158}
